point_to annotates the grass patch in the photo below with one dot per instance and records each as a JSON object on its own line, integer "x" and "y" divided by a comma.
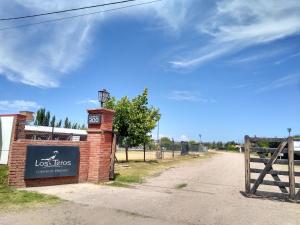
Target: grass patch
{"x": 3, "y": 175}
{"x": 11, "y": 198}
{"x": 118, "y": 184}
{"x": 136, "y": 171}
{"x": 180, "y": 186}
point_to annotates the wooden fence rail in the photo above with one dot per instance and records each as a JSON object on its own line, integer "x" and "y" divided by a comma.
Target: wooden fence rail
{"x": 268, "y": 157}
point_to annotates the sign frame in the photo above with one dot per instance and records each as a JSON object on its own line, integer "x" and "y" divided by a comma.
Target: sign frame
{"x": 296, "y": 145}
{"x": 44, "y": 161}
{"x": 94, "y": 119}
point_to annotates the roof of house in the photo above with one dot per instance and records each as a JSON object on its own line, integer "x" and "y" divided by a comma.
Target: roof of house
{"x": 56, "y": 130}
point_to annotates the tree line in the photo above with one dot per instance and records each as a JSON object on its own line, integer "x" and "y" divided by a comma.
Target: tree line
{"x": 228, "y": 146}
{"x": 44, "y": 118}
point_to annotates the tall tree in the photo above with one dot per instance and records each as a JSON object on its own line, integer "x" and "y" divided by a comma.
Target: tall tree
{"x": 166, "y": 142}
{"x": 134, "y": 120}
{"x": 46, "y": 120}
{"x": 40, "y": 117}
{"x": 59, "y": 123}
{"x": 52, "y": 123}
{"x": 82, "y": 127}
{"x": 67, "y": 123}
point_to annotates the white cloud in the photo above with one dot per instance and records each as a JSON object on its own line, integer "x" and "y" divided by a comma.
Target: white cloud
{"x": 183, "y": 137}
{"x": 89, "y": 101}
{"x": 41, "y": 55}
{"x": 284, "y": 81}
{"x": 17, "y": 105}
{"x": 188, "y": 96}
{"x": 238, "y": 24}
{"x": 259, "y": 56}
{"x": 287, "y": 58}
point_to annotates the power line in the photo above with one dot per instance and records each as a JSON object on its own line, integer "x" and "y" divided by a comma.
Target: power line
{"x": 76, "y": 16}
{"x": 66, "y": 10}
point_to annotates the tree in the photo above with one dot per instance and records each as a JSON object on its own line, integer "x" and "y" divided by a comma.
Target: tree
{"x": 151, "y": 144}
{"x": 46, "y": 120}
{"x": 134, "y": 120}
{"x": 52, "y": 123}
{"x": 192, "y": 142}
{"x": 263, "y": 144}
{"x": 59, "y": 123}
{"x": 40, "y": 117}
{"x": 166, "y": 142}
{"x": 121, "y": 120}
{"x": 82, "y": 127}
{"x": 231, "y": 146}
{"x": 67, "y": 123}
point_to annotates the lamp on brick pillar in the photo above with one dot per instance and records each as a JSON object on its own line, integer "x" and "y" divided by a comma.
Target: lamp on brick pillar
{"x": 103, "y": 96}
{"x": 100, "y": 135}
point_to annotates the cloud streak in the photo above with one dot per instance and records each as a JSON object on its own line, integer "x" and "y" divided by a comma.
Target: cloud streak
{"x": 42, "y": 55}
{"x": 236, "y": 24}
{"x": 89, "y": 101}
{"x": 16, "y": 105}
{"x": 289, "y": 80}
{"x": 188, "y": 96}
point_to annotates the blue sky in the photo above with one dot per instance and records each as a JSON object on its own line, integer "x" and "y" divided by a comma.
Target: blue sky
{"x": 222, "y": 69}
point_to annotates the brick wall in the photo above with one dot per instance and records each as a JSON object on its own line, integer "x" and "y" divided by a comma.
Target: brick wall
{"x": 95, "y": 154}
{"x": 17, "y": 161}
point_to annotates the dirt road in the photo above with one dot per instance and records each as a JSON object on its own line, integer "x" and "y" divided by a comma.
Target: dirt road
{"x": 212, "y": 196}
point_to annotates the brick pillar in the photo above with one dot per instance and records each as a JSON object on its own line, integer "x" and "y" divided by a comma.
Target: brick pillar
{"x": 100, "y": 137}
{"x": 19, "y": 129}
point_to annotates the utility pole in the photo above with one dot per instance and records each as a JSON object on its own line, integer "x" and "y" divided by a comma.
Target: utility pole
{"x": 173, "y": 147}
{"x": 158, "y": 152}
{"x": 200, "y": 145}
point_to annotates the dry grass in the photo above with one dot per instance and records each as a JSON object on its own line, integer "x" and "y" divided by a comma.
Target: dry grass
{"x": 135, "y": 171}
{"x": 139, "y": 155}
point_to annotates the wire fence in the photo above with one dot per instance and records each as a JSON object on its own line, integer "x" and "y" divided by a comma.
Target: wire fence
{"x": 166, "y": 151}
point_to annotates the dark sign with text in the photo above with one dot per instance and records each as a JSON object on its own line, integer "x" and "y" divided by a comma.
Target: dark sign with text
{"x": 51, "y": 161}
{"x": 94, "y": 119}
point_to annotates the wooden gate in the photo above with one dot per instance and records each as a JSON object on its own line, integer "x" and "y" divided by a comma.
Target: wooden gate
{"x": 268, "y": 157}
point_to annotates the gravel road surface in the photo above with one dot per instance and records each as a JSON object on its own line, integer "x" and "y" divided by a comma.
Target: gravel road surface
{"x": 211, "y": 196}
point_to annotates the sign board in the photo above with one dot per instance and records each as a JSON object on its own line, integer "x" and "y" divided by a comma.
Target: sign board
{"x": 94, "y": 119}
{"x": 297, "y": 146}
{"x": 184, "y": 147}
{"x": 51, "y": 161}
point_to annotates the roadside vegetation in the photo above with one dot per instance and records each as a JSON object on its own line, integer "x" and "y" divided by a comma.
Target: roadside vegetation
{"x": 136, "y": 171}
{"x": 180, "y": 186}
{"x": 11, "y": 198}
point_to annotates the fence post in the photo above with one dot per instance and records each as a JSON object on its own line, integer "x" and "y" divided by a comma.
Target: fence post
{"x": 173, "y": 147}
{"x": 247, "y": 164}
{"x": 291, "y": 167}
